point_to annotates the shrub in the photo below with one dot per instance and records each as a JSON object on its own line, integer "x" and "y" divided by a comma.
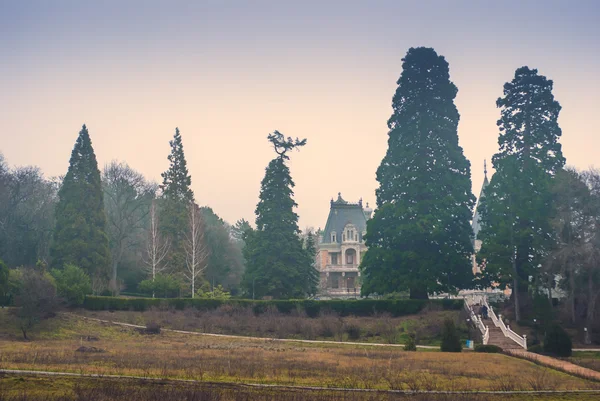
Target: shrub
{"x": 353, "y": 331}
{"x": 35, "y": 298}
{"x": 312, "y": 308}
{"x": 536, "y": 348}
{"x": 450, "y": 337}
{"x": 152, "y": 328}
{"x": 411, "y": 343}
{"x": 557, "y": 341}
{"x": 72, "y": 284}
{"x": 217, "y": 293}
{"x": 488, "y": 348}
{"x": 164, "y": 286}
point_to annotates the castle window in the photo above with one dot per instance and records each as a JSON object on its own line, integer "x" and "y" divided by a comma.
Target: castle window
{"x": 334, "y": 259}
{"x": 333, "y": 237}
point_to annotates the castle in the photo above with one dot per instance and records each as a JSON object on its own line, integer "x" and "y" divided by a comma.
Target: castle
{"x": 341, "y": 247}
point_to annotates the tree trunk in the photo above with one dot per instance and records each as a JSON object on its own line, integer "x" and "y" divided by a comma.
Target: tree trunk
{"x": 589, "y": 318}
{"x": 25, "y": 334}
{"x": 113, "y": 279}
{"x": 516, "y": 290}
{"x": 418, "y": 293}
{"x": 572, "y": 285}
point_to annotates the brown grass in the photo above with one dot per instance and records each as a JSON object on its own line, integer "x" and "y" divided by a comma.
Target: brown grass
{"x": 31, "y": 388}
{"x": 171, "y": 355}
{"x": 232, "y": 320}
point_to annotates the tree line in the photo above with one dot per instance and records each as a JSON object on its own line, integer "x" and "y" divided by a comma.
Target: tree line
{"x": 540, "y": 220}
{"x": 120, "y": 231}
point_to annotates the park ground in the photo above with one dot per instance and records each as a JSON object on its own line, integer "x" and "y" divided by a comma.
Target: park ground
{"x": 219, "y": 368}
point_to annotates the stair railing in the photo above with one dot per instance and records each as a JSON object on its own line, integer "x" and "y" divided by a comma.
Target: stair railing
{"x": 506, "y": 330}
{"x": 485, "y": 331}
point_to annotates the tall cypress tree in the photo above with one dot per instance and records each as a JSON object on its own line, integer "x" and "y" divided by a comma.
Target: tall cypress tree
{"x": 516, "y": 210}
{"x": 420, "y": 237}
{"x": 80, "y": 233}
{"x": 277, "y": 264}
{"x": 176, "y": 196}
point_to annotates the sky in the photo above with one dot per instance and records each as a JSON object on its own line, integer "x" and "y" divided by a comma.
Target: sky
{"x": 228, "y": 73}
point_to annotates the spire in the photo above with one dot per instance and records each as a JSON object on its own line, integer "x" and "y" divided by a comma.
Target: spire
{"x": 485, "y": 179}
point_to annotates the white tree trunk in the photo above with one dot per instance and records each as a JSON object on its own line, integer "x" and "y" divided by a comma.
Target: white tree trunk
{"x": 156, "y": 248}
{"x": 195, "y": 247}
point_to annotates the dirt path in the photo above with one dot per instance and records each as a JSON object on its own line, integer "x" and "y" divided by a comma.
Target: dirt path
{"x": 283, "y": 387}
{"x": 556, "y": 364}
{"x": 289, "y": 340}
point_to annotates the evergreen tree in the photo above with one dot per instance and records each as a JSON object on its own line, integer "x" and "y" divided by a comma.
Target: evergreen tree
{"x": 80, "y": 233}
{"x": 176, "y": 195}
{"x": 312, "y": 275}
{"x": 517, "y": 209}
{"x": 225, "y": 264}
{"x": 276, "y": 261}
{"x": 420, "y": 237}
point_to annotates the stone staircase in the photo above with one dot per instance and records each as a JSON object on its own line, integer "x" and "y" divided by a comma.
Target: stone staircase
{"x": 493, "y": 330}
{"x": 496, "y": 337}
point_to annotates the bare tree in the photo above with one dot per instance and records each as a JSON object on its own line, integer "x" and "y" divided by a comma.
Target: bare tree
{"x": 195, "y": 247}
{"x": 157, "y": 249}
{"x": 127, "y": 197}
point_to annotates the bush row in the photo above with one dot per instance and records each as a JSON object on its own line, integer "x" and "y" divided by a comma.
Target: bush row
{"x": 362, "y": 307}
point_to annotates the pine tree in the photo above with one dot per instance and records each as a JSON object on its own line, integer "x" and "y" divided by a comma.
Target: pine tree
{"x": 516, "y": 211}
{"x": 420, "y": 238}
{"x": 311, "y": 273}
{"x": 276, "y": 261}
{"x": 80, "y": 233}
{"x": 176, "y": 195}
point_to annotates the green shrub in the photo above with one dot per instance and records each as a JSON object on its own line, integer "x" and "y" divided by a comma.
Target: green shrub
{"x": 450, "y": 338}
{"x": 411, "y": 343}
{"x": 488, "y": 348}
{"x": 536, "y": 348}
{"x": 361, "y": 307}
{"x": 164, "y": 286}
{"x": 217, "y": 293}
{"x": 72, "y": 284}
{"x": 557, "y": 341}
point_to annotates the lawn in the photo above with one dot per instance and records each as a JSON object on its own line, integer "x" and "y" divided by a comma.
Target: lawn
{"x": 224, "y": 360}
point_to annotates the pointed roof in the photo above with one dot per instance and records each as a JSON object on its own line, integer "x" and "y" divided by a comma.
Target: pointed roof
{"x": 341, "y": 213}
{"x": 476, "y": 225}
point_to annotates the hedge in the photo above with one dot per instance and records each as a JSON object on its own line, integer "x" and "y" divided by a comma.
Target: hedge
{"x": 361, "y": 307}
{"x": 488, "y": 348}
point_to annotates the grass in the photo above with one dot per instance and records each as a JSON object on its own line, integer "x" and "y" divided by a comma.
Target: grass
{"x": 380, "y": 328}
{"x": 225, "y": 360}
{"x": 587, "y": 359}
{"x": 31, "y": 388}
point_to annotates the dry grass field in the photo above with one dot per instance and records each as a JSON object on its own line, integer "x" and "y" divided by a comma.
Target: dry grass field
{"x": 223, "y": 360}
{"x": 590, "y": 360}
{"x": 381, "y": 328}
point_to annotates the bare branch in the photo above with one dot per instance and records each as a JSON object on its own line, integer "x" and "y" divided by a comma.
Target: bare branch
{"x": 196, "y": 252}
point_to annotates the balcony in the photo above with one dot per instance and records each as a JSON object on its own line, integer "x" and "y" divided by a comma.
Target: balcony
{"x": 340, "y": 268}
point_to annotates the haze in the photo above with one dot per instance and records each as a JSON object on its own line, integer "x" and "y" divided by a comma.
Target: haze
{"x": 227, "y": 73}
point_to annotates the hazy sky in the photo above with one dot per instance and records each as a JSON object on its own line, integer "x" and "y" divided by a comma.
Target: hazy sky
{"x": 227, "y": 73}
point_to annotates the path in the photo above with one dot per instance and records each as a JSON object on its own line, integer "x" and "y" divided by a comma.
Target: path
{"x": 554, "y": 363}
